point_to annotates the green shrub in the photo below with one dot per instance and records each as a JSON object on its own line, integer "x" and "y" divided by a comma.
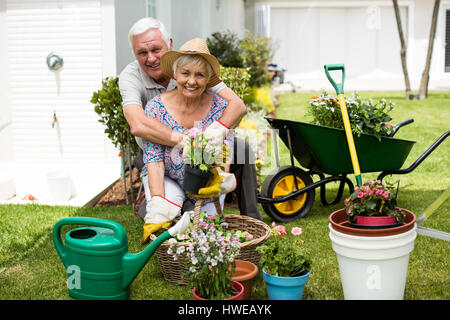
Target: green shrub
{"x": 226, "y": 47}
{"x": 108, "y": 105}
{"x": 257, "y": 51}
{"x": 260, "y": 98}
{"x": 237, "y": 79}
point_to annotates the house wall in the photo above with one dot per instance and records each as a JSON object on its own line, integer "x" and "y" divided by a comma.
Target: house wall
{"x": 345, "y": 21}
{"x": 82, "y": 32}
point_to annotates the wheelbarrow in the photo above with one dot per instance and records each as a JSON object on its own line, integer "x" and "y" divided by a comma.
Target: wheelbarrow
{"x": 288, "y": 192}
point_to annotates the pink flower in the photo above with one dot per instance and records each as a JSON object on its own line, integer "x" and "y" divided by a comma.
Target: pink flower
{"x": 280, "y": 229}
{"x": 296, "y": 231}
{"x": 248, "y": 236}
{"x": 386, "y": 195}
{"x": 211, "y": 217}
{"x": 378, "y": 192}
{"x": 360, "y": 195}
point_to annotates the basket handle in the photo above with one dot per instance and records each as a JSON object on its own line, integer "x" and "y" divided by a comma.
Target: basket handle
{"x": 198, "y": 209}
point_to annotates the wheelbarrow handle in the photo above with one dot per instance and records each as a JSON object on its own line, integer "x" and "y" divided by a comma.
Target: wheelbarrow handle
{"x": 399, "y": 125}
{"x": 339, "y": 87}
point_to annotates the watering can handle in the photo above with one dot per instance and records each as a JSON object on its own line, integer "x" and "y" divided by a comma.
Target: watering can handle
{"x": 119, "y": 231}
{"x": 339, "y": 87}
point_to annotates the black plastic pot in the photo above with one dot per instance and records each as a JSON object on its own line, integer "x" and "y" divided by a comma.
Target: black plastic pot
{"x": 195, "y": 179}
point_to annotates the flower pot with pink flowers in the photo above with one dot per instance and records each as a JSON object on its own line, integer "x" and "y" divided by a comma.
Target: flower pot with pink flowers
{"x": 373, "y": 238}
{"x": 284, "y": 264}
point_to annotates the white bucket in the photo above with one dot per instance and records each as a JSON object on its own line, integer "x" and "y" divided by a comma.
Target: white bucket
{"x": 59, "y": 184}
{"x": 373, "y": 268}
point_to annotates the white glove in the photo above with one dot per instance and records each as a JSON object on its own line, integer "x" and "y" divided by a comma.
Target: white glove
{"x": 217, "y": 131}
{"x": 181, "y": 226}
{"x": 162, "y": 210}
{"x": 229, "y": 183}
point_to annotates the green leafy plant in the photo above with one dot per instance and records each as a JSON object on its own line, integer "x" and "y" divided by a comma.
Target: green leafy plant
{"x": 257, "y": 51}
{"x": 108, "y": 105}
{"x": 226, "y": 46}
{"x": 365, "y": 115}
{"x": 209, "y": 256}
{"x": 237, "y": 79}
{"x": 281, "y": 256}
{"x": 373, "y": 198}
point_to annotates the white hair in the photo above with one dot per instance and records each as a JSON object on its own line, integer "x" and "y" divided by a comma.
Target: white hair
{"x": 143, "y": 25}
{"x": 194, "y": 60}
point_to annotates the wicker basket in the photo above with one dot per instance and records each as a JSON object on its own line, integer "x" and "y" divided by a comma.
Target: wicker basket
{"x": 173, "y": 270}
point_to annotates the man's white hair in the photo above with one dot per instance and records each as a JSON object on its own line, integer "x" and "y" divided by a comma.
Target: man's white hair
{"x": 143, "y": 25}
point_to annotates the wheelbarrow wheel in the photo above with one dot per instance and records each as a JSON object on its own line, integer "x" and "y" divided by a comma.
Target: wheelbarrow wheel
{"x": 280, "y": 183}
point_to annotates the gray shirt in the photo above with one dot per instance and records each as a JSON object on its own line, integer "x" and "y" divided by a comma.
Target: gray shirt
{"x": 136, "y": 87}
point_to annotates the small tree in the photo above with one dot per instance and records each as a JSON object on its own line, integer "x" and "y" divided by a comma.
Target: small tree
{"x": 423, "y": 89}
{"x": 108, "y": 105}
{"x": 226, "y": 47}
{"x": 402, "y": 50}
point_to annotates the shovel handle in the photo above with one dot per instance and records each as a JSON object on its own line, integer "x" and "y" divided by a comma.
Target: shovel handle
{"x": 339, "y": 87}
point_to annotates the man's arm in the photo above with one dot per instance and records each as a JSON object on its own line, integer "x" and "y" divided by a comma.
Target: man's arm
{"x": 235, "y": 109}
{"x": 148, "y": 128}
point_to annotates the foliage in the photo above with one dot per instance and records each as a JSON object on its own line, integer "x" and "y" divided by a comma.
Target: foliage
{"x": 200, "y": 150}
{"x": 237, "y": 79}
{"x": 108, "y": 105}
{"x": 281, "y": 256}
{"x": 209, "y": 256}
{"x": 260, "y": 98}
{"x": 217, "y": 222}
{"x": 226, "y": 48}
{"x": 257, "y": 51}
{"x": 365, "y": 115}
{"x": 373, "y": 199}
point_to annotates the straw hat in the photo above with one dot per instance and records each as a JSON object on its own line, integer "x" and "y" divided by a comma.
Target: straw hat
{"x": 195, "y": 46}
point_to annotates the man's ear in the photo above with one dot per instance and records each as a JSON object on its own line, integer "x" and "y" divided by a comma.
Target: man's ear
{"x": 171, "y": 44}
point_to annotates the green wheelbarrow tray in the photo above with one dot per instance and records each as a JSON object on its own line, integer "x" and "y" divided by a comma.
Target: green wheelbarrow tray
{"x": 323, "y": 149}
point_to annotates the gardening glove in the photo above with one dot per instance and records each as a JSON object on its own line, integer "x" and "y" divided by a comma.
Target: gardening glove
{"x": 220, "y": 183}
{"x": 161, "y": 215}
{"x": 217, "y": 131}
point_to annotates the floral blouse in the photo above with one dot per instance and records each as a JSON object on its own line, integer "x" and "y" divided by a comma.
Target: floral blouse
{"x": 173, "y": 156}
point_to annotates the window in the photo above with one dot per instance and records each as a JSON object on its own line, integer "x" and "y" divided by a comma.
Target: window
{"x": 447, "y": 41}
{"x": 151, "y": 8}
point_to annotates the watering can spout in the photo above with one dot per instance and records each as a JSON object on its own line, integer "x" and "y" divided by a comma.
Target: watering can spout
{"x": 134, "y": 262}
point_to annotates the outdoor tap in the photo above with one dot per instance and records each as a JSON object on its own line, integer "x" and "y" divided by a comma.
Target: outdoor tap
{"x": 55, "y": 119}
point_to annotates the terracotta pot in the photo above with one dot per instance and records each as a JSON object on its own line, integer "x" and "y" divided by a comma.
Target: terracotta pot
{"x": 245, "y": 272}
{"x": 339, "y": 222}
{"x": 239, "y": 296}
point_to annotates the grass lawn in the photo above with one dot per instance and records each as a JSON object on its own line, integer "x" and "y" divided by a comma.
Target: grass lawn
{"x": 31, "y": 269}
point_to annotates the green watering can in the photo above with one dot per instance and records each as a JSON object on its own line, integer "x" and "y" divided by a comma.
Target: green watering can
{"x": 96, "y": 258}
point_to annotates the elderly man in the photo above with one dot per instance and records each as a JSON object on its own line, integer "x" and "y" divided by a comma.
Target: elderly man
{"x": 142, "y": 80}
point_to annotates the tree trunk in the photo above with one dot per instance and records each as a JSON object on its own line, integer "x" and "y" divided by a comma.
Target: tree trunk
{"x": 423, "y": 89}
{"x": 403, "y": 50}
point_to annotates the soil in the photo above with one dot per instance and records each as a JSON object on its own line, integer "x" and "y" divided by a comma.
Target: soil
{"x": 115, "y": 196}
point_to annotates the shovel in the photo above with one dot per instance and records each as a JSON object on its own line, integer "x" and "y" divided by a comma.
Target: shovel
{"x": 339, "y": 87}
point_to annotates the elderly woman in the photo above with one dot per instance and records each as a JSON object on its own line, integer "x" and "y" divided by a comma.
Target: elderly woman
{"x": 187, "y": 106}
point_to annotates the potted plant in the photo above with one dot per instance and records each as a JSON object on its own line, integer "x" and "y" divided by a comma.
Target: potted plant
{"x": 372, "y": 256}
{"x": 285, "y": 266}
{"x": 209, "y": 256}
{"x": 199, "y": 158}
{"x": 374, "y": 205}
